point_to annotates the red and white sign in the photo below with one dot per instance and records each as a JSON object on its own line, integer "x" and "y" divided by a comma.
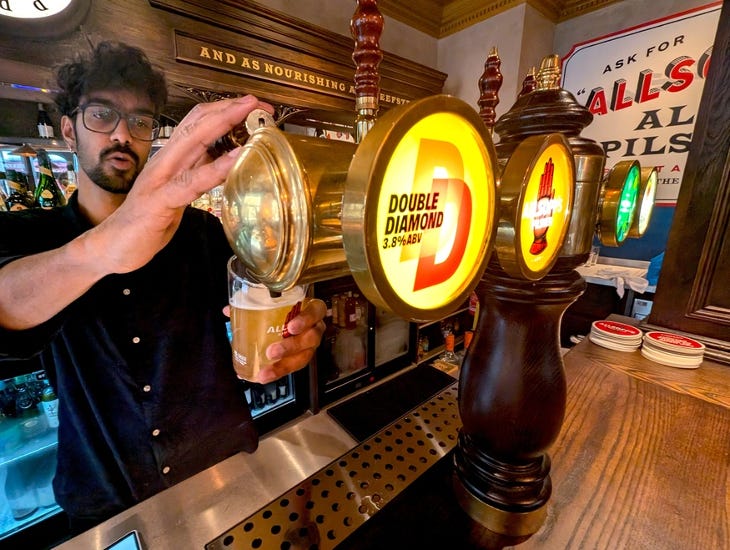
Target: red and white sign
{"x": 674, "y": 342}
{"x": 643, "y": 86}
{"x": 616, "y": 329}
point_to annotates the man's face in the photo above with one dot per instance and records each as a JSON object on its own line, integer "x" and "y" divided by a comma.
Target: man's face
{"x": 112, "y": 160}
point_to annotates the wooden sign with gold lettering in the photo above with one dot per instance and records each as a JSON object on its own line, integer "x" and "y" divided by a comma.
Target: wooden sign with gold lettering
{"x": 254, "y": 64}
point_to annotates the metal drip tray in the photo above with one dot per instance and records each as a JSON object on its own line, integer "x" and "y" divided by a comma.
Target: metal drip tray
{"x": 323, "y": 510}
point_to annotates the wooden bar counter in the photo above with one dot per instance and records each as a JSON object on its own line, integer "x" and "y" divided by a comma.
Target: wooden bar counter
{"x": 642, "y": 463}
{"x": 643, "y": 458}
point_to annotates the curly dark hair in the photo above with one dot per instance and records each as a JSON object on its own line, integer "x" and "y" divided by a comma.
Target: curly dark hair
{"x": 111, "y": 66}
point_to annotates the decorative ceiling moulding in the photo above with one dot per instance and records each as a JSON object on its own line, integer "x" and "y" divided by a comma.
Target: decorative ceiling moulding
{"x": 576, "y": 8}
{"x": 440, "y": 18}
{"x": 465, "y": 13}
{"x": 423, "y": 15}
{"x": 550, "y": 8}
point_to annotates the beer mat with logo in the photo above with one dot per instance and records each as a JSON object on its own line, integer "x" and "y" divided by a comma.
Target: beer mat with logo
{"x": 369, "y": 412}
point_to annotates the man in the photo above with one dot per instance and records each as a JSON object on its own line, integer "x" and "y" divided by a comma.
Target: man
{"x": 121, "y": 293}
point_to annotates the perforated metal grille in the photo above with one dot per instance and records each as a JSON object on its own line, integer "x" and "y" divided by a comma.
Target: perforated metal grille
{"x": 326, "y": 508}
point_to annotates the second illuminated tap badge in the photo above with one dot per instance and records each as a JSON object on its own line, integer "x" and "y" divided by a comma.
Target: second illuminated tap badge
{"x": 547, "y": 206}
{"x": 536, "y": 205}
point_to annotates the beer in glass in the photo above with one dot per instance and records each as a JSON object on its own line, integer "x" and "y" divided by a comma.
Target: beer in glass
{"x": 258, "y": 319}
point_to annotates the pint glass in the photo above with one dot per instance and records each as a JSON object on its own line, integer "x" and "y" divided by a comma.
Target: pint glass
{"x": 258, "y": 318}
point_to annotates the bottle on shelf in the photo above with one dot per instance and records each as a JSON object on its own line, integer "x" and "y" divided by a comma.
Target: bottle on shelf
{"x": 350, "y": 311}
{"x": 32, "y": 421}
{"x": 468, "y": 335}
{"x": 247, "y": 393}
{"x": 330, "y": 331}
{"x": 47, "y": 193}
{"x": 271, "y": 392}
{"x": 216, "y": 201}
{"x": 474, "y": 309}
{"x": 7, "y": 399}
{"x": 24, "y": 403}
{"x": 329, "y": 338}
{"x": 45, "y": 127}
{"x": 70, "y": 181}
{"x": 258, "y": 397}
{"x": 19, "y": 198}
{"x": 448, "y": 355}
{"x": 44, "y": 468}
{"x": 49, "y": 403}
{"x": 19, "y": 491}
{"x": 340, "y": 299}
{"x": 282, "y": 385}
{"x": 168, "y": 125}
{"x": 203, "y": 202}
{"x": 423, "y": 347}
{"x": 4, "y": 190}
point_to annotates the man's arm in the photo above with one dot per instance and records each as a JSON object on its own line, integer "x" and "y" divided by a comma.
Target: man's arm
{"x": 130, "y": 237}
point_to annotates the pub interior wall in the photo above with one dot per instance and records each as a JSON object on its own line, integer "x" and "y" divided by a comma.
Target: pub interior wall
{"x": 614, "y": 18}
{"x": 522, "y": 35}
{"x": 537, "y": 42}
{"x": 335, "y": 15}
{"x": 462, "y": 55}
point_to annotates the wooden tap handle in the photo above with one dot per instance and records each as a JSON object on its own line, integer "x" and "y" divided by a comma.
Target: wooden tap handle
{"x": 529, "y": 84}
{"x": 489, "y": 84}
{"x": 366, "y": 27}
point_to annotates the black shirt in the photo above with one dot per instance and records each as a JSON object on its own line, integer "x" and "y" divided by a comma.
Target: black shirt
{"x": 141, "y": 364}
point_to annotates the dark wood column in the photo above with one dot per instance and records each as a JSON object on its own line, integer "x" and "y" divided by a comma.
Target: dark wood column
{"x": 693, "y": 294}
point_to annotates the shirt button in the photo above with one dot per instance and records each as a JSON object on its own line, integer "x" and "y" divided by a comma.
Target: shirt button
{"x": 166, "y": 470}
{"x": 147, "y": 388}
{"x": 126, "y": 292}
{"x": 136, "y": 339}
{"x": 155, "y": 432}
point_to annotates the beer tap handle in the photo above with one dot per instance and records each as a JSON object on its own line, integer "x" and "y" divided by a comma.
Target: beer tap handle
{"x": 529, "y": 84}
{"x": 548, "y": 77}
{"x": 366, "y": 27}
{"x": 489, "y": 84}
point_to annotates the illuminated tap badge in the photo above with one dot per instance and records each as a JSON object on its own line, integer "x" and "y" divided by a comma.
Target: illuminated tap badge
{"x": 536, "y": 204}
{"x": 544, "y": 211}
{"x": 425, "y": 231}
{"x": 429, "y": 208}
{"x": 619, "y": 197}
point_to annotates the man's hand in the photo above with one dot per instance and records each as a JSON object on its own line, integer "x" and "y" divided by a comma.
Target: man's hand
{"x": 177, "y": 175}
{"x": 295, "y": 352}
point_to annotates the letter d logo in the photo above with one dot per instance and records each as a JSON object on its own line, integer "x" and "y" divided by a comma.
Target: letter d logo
{"x": 442, "y": 249}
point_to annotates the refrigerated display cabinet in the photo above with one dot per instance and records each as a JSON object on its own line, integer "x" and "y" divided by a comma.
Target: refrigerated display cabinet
{"x": 363, "y": 344}
{"x": 277, "y": 402}
{"x": 28, "y": 441}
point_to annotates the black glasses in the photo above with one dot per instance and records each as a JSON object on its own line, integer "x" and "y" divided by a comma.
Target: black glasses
{"x": 104, "y": 120}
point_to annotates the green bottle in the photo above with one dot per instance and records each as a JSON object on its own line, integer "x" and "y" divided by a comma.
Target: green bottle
{"x": 47, "y": 193}
{"x": 19, "y": 198}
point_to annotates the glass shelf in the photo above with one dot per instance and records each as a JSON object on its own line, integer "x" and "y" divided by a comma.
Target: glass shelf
{"x": 9, "y": 525}
{"x": 429, "y": 323}
{"x": 24, "y": 447}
